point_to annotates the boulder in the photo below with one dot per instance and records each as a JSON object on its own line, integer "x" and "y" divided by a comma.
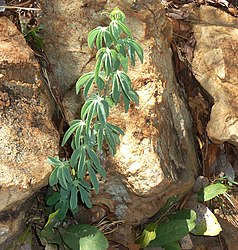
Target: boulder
{"x": 156, "y": 158}
{"x": 215, "y": 67}
{"x": 27, "y": 134}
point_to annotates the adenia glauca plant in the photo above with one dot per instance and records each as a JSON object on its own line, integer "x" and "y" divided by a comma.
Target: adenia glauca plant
{"x": 79, "y": 174}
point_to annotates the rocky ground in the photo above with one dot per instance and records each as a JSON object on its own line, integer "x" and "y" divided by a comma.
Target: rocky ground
{"x": 201, "y": 80}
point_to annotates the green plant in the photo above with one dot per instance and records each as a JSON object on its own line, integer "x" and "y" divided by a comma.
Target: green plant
{"x": 170, "y": 228}
{"x": 32, "y": 36}
{"x": 74, "y": 237}
{"x": 79, "y": 174}
{"x": 168, "y": 233}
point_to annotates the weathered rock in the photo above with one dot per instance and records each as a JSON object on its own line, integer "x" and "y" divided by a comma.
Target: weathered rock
{"x": 156, "y": 158}
{"x": 27, "y": 135}
{"x": 215, "y": 67}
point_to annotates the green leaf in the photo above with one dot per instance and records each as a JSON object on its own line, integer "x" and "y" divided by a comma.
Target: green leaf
{"x": 184, "y": 214}
{"x": 67, "y": 175}
{"x": 137, "y": 48}
{"x": 100, "y": 83}
{"x": 107, "y": 38}
{"x": 211, "y": 192}
{"x": 115, "y": 88}
{"x": 147, "y": 235}
{"x": 115, "y": 128}
{"x": 84, "y": 237}
{"x": 64, "y": 193}
{"x": 93, "y": 156}
{"x": 92, "y": 36}
{"x": 90, "y": 115}
{"x": 53, "y": 199}
{"x": 81, "y": 167}
{"x": 101, "y": 114}
{"x": 134, "y": 96}
{"x": 99, "y": 40}
{"x": 131, "y": 53}
{"x": 117, "y": 14}
{"x": 93, "y": 178}
{"x": 114, "y": 30}
{"x": 124, "y": 62}
{"x": 53, "y": 180}
{"x": 73, "y": 197}
{"x": 172, "y": 246}
{"x": 87, "y": 105}
{"x": 79, "y": 134}
{"x": 84, "y": 80}
{"x": 123, "y": 28}
{"x": 126, "y": 101}
{"x": 85, "y": 196}
{"x": 206, "y": 222}
{"x": 111, "y": 142}
{"x": 173, "y": 231}
{"x": 101, "y": 171}
{"x": 100, "y": 55}
{"x": 100, "y": 139}
{"x": 53, "y": 160}
{"x": 88, "y": 86}
{"x": 75, "y": 157}
{"x": 52, "y": 220}
{"x": 68, "y": 133}
{"x": 63, "y": 207}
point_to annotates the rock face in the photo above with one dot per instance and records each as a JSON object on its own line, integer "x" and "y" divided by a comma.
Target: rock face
{"x": 156, "y": 158}
{"x": 27, "y": 135}
{"x": 215, "y": 67}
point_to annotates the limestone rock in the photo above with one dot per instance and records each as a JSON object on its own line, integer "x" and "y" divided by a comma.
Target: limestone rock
{"x": 156, "y": 158}
{"x": 215, "y": 67}
{"x": 27, "y": 135}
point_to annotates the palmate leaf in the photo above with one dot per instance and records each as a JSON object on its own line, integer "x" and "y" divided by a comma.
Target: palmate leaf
{"x": 64, "y": 176}
{"x": 92, "y": 36}
{"x": 137, "y": 48}
{"x": 108, "y": 59}
{"x": 116, "y": 27}
{"x": 98, "y": 36}
{"x": 117, "y": 14}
